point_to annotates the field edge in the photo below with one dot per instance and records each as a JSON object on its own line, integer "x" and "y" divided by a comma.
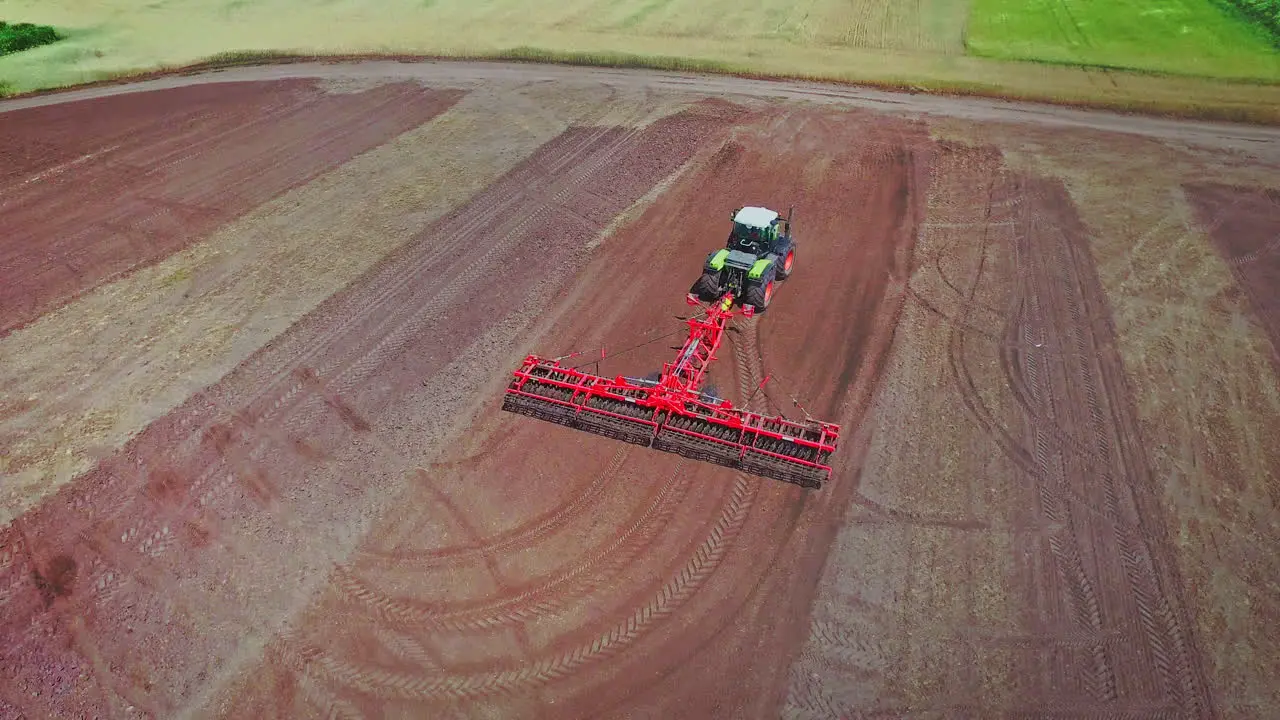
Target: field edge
{"x": 1187, "y": 107}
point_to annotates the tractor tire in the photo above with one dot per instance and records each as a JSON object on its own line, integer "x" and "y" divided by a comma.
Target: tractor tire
{"x": 759, "y": 295}
{"x": 707, "y": 287}
{"x": 787, "y": 263}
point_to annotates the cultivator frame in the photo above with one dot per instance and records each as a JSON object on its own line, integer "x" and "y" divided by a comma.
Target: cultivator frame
{"x": 673, "y": 414}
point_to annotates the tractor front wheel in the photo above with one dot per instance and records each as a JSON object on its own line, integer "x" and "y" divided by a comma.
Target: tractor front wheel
{"x": 788, "y": 260}
{"x": 760, "y": 295}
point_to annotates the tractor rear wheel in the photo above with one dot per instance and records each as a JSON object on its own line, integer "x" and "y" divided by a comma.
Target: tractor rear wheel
{"x": 760, "y": 295}
{"x": 788, "y": 260}
{"x": 707, "y": 287}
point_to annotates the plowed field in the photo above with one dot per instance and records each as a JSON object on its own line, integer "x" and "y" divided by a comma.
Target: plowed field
{"x": 304, "y": 501}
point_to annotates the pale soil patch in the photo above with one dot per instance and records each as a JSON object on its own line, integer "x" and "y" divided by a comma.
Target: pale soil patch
{"x": 1198, "y": 364}
{"x": 83, "y": 380}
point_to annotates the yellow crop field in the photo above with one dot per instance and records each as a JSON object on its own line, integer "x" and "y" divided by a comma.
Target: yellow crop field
{"x": 930, "y": 25}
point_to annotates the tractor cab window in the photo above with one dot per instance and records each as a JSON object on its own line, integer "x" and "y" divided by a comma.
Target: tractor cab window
{"x": 749, "y": 239}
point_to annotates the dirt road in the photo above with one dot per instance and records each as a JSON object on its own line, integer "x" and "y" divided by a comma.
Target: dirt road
{"x": 1262, "y": 142}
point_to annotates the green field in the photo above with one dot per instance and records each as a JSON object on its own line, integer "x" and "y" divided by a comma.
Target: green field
{"x": 1193, "y": 37}
{"x": 932, "y": 44}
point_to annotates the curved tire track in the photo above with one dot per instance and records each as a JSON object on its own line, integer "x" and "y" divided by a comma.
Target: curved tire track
{"x": 390, "y": 685}
{"x": 545, "y": 597}
{"x": 519, "y": 537}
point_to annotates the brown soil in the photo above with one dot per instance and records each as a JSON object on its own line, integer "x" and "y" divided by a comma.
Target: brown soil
{"x": 1115, "y": 612}
{"x": 1245, "y": 226}
{"x": 1008, "y": 553}
{"x": 199, "y": 539}
{"x": 151, "y": 173}
{"x": 602, "y": 578}
{"x": 1200, "y": 369}
{"x": 345, "y": 525}
{"x": 80, "y": 382}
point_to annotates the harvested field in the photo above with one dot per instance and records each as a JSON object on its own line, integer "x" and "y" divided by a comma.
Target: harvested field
{"x": 129, "y": 198}
{"x": 319, "y": 510}
{"x": 195, "y": 315}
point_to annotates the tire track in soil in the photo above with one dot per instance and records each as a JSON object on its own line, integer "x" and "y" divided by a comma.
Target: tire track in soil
{"x": 893, "y": 172}
{"x": 1067, "y": 377}
{"x": 543, "y": 598}
{"x": 522, "y": 536}
{"x": 384, "y": 684}
{"x": 1080, "y": 594}
{"x": 154, "y": 195}
{"x": 108, "y": 495}
{"x": 1021, "y": 454}
{"x": 602, "y": 223}
{"x": 1053, "y": 349}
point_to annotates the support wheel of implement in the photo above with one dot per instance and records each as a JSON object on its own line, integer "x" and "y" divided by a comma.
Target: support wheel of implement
{"x": 788, "y": 261}
{"x": 707, "y": 287}
{"x": 760, "y": 295}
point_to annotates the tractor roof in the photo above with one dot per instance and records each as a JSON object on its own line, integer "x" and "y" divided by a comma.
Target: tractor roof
{"x": 755, "y": 217}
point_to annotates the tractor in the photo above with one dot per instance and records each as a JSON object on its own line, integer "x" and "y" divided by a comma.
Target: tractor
{"x": 672, "y": 410}
{"x": 759, "y": 251}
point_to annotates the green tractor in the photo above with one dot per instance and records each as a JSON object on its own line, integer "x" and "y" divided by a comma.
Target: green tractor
{"x": 759, "y": 251}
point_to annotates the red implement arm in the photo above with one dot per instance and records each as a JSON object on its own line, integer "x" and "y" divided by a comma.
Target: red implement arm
{"x": 673, "y": 415}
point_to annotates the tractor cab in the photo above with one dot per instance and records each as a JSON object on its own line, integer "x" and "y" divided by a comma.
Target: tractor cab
{"x": 759, "y": 251}
{"x": 755, "y": 230}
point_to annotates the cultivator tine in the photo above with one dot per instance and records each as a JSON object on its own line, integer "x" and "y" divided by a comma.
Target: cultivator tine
{"x": 716, "y": 442}
{"x": 548, "y": 392}
{"x": 539, "y": 408}
{"x": 766, "y": 466}
{"x": 688, "y": 437}
{"x": 617, "y": 419}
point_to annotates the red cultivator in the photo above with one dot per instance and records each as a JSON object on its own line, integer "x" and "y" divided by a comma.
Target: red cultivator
{"x": 673, "y": 414}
